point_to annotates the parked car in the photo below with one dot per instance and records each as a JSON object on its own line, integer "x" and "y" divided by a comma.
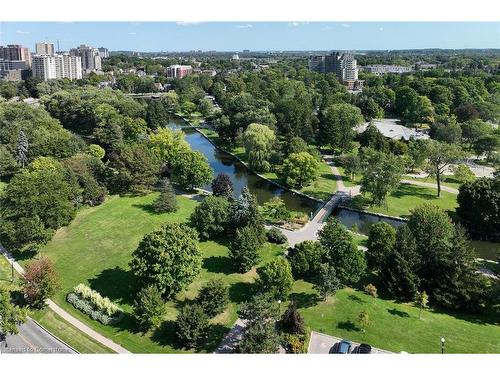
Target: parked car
{"x": 343, "y": 347}
{"x": 362, "y": 349}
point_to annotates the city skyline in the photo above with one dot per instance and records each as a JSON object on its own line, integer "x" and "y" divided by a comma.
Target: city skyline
{"x": 256, "y": 36}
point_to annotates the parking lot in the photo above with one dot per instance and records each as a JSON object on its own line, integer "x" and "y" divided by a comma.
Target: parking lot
{"x": 322, "y": 344}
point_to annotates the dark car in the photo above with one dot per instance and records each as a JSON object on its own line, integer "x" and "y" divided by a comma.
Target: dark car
{"x": 343, "y": 347}
{"x": 362, "y": 349}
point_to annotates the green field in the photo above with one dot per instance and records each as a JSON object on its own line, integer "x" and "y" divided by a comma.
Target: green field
{"x": 445, "y": 181}
{"x": 405, "y": 198}
{"x": 96, "y": 249}
{"x": 6, "y": 275}
{"x": 348, "y": 182}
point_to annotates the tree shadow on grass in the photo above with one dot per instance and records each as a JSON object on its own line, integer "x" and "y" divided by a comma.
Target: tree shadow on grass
{"x": 115, "y": 283}
{"x": 241, "y": 292}
{"x": 165, "y": 335}
{"x": 396, "y": 312}
{"x": 413, "y": 190}
{"x": 218, "y": 264}
{"x": 348, "y": 326}
{"x": 149, "y": 208}
{"x": 304, "y": 300}
{"x": 216, "y": 333}
{"x": 355, "y": 298}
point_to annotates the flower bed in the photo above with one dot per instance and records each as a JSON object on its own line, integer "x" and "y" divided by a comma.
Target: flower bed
{"x": 94, "y": 305}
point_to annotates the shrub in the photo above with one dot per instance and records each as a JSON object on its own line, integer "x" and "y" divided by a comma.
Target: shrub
{"x": 371, "y": 290}
{"x": 305, "y": 258}
{"x": 99, "y": 302}
{"x": 213, "y": 297}
{"x": 294, "y": 344}
{"x": 91, "y": 303}
{"x": 167, "y": 200}
{"x": 274, "y": 235}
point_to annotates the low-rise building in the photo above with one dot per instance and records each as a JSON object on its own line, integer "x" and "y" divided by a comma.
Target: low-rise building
{"x": 391, "y": 129}
{"x": 13, "y": 70}
{"x": 380, "y": 69}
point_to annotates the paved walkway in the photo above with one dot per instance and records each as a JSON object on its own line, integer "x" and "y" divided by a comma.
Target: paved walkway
{"x": 233, "y": 337}
{"x": 66, "y": 316}
{"x": 430, "y": 185}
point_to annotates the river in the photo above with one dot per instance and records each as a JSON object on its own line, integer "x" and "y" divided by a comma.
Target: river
{"x": 265, "y": 190}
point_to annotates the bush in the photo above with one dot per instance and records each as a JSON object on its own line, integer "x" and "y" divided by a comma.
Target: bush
{"x": 294, "y": 344}
{"x": 274, "y": 235}
{"x": 167, "y": 200}
{"x": 99, "y": 302}
{"x": 192, "y": 326}
{"x": 87, "y": 307}
{"x": 213, "y": 297}
{"x": 211, "y": 217}
{"x": 371, "y": 290}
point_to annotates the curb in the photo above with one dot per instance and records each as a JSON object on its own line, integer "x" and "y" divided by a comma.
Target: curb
{"x": 54, "y": 336}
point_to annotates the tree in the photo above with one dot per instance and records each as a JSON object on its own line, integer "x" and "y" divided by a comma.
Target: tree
{"x": 398, "y": 271}
{"x": 213, "y": 297}
{"x": 381, "y": 174}
{"x": 192, "y": 326}
{"x": 258, "y": 141}
{"x": 192, "y": 170}
{"x": 439, "y": 156}
{"x": 22, "y": 149}
{"x": 421, "y": 300}
{"x": 168, "y": 145}
{"x": 8, "y": 163}
{"x": 381, "y": 240}
{"x": 136, "y": 169}
{"x": 416, "y": 151}
{"x": 156, "y": 114}
{"x": 446, "y": 129}
{"x": 479, "y": 205}
{"x": 210, "y": 218}
{"x": 327, "y": 282}
{"x": 222, "y": 186}
{"x": 168, "y": 257}
{"x": 40, "y": 281}
{"x": 275, "y": 278}
{"x": 299, "y": 170}
{"x": 245, "y": 210}
{"x": 291, "y": 321}
{"x": 10, "y": 315}
{"x": 487, "y": 144}
{"x": 352, "y": 165}
{"x": 371, "y": 290}
{"x": 259, "y": 335}
{"x": 463, "y": 174}
{"x": 341, "y": 252}
{"x": 473, "y": 130}
{"x": 167, "y": 200}
{"x": 243, "y": 250}
{"x": 305, "y": 258}
{"x": 275, "y": 210}
{"x": 373, "y": 138}
{"x": 336, "y": 127}
{"x": 96, "y": 151}
{"x": 149, "y": 307}
{"x": 364, "y": 320}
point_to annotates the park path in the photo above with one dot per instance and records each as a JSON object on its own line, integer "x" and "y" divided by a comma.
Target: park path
{"x": 430, "y": 185}
{"x": 65, "y": 315}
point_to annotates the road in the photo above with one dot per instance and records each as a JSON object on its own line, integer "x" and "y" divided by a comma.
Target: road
{"x": 322, "y": 344}
{"x": 33, "y": 339}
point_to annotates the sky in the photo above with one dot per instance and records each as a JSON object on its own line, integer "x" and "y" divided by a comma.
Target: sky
{"x": 256, "y": 36}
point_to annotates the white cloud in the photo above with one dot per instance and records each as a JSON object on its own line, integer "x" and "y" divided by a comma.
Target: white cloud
{"x": 296, "y": 24}
{"x": 346, "y": 25}
{"x": 246, "y": 26}
{"x": 187, "y": 23}
{"x": 132, "y": 33}
{"x": 22, "y": 32}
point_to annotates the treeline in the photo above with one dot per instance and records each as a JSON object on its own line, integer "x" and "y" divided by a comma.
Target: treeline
{"x": 86, "y": 143}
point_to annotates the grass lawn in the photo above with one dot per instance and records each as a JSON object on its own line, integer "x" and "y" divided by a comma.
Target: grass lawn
{"x": 395, "y": 326}
{"x": 96, "y": 249}
{"x": 405, "y": 198}
{"x": 6, "y": 275}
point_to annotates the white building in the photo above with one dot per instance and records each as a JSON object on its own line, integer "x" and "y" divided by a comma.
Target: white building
{"x": 379, "y": 69}
{"x": 103, "y": 52}
{"x": 48, "y": 67}
{"x": 44, "y": 48}
{"x": 91, "y": 61}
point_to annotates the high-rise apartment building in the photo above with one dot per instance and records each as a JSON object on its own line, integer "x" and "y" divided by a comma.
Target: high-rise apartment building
{"x": 48, "y": 67}
{"x": 15, "y": 52}
{"x": 103, "y": 52}
{"x": 44, "y": 48}
{"x": 91, "y": 61}
{"x": 344, "y": 65}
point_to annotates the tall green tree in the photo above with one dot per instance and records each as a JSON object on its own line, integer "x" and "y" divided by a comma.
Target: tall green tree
{"x": 244, "y": 249}
{"x": 149, "y": 307}
{"x": 192, "y": 326}
{"x": 156, "y": 114}
{"x": 275, "y": 278}
{"x": 192, "y": 170}
{"x": 22, "y": 149}
{"x": 11, "y": 316}
{"x": 337, "y": 124}
{"x": 381, "y": 242}
{"x": 326, "y": 282}
{"x": 299, "y": 170}
{"x": 439, "y": 156}
{"x": 258, "y": 141}
{"x": 168, "y": 258}
{"x": 211, "y": 217}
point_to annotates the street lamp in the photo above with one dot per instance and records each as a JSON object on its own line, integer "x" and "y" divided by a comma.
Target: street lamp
{"x": 442, "y": 345}
{"x": 279, "y": 308}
